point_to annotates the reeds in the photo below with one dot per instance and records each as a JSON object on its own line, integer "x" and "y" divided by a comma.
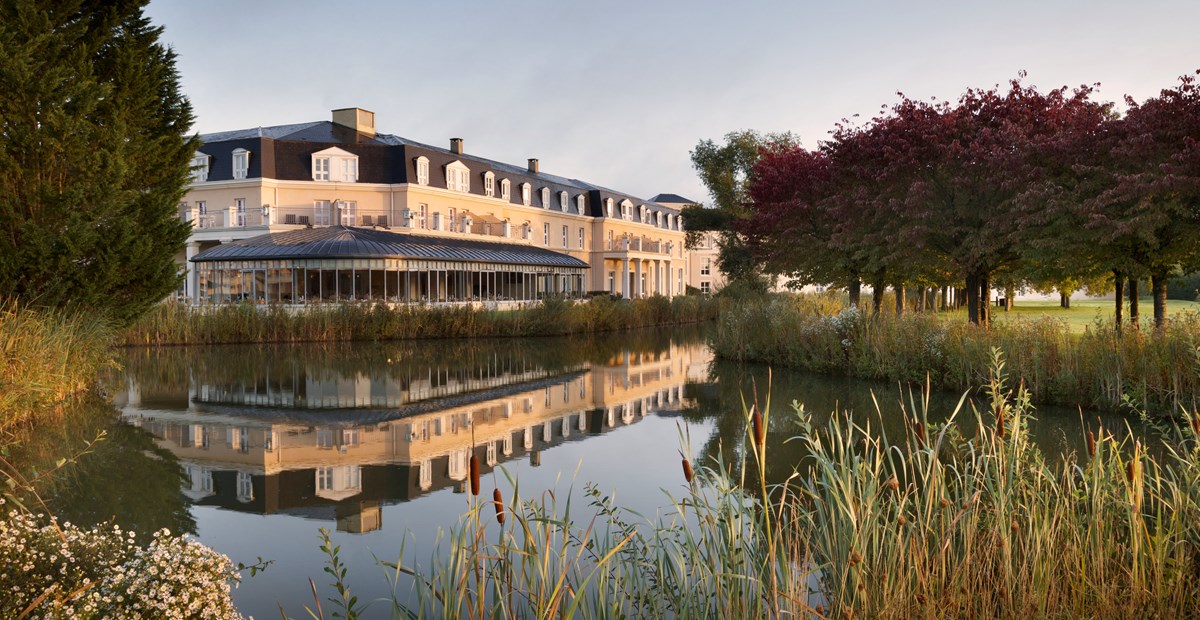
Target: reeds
{"x": 937, "y": 522}
{"x": 47, "y": 357}
{"x": 1099, "y": 369}
{"x": 175, "y": 324}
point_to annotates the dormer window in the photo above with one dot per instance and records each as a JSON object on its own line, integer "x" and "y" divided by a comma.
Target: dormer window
{"x": 642, "y": 213}
{"x": 241, "y": 163}
{"x": 505, "y": 190}
{"x": 200, "y": 168}
{"x": 526, "y": 194}
{"x": 658, "y": 219}
{"x": 458, "y": 177}
{"x": 334, "y": 164}
{"x": 580, "y": 204}
{"x": 422, "y": 169}
{"x": 489, "y": 183}
{"x": 563, "y": 201}
{"x": 545, "y": 197}
{"x": 626, "y": 210}
{"x": 608, "y": 207}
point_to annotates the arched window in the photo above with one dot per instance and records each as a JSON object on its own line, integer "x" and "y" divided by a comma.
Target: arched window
{"x": 489, "y": 183}
{"x": 545, "y": 197}
{"x": 608, "y": 207}
{"x": 505, "y": 190}
{"x": 526, "y": 194}
{"x": 422, "y": 167}
{"x": 580, "y": 204}
{"x": 563, "y": 201}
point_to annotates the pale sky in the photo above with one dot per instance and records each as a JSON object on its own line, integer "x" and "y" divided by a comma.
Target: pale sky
{"x": 618, "y": 93}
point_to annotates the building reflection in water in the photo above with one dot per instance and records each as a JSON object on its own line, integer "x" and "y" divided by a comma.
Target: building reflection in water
{"x": 326, "y": 440}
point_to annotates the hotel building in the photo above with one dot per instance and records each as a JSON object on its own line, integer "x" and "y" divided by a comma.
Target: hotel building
{"x": 333, "y": 210}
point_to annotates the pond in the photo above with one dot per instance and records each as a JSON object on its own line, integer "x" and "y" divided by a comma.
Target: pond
{"x": 252, "y": 449}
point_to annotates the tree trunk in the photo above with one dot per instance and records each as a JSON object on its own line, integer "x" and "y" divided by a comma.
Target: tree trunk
{"x": 973, "y": 299}
{"x": 1064, "y": 300}
{"x": 877, "y": 296}
{"x": 945, "y": 294}
{"x": 1158, "y": 284}
{"x": 985, "y": 301}
{"x": 1009, "y": 293}
{"x": 901, "y": 300}
{"x": 1119, "y": 281}
{"x": 855, "y": 292}
{"x": 1132, "y": 292}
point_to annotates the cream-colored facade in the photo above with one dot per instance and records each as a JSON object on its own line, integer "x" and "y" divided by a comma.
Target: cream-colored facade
{"x": 246, "y": 185}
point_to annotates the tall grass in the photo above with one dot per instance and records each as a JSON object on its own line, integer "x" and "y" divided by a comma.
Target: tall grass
{"x": 47, "y": 357}
{"x": 171, "y": 323}
{"x": 966, "y": 519}
{"x": 1098, "y": 369}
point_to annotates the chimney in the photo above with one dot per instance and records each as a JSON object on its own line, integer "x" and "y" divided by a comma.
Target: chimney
{"x": 456, "y": 146}
{"x": 358, "y": 119}
{"x": 533, "y": 165}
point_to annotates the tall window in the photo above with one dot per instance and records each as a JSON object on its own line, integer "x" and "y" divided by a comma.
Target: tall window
{"x": 546, "y": 234}
{"x": 320, "y": 212}
{"x": 545, "y": 197}
{"x": 489, "y": 183}
{"x": 526, "y": 190}
{"x": 564, "y": 236}
{"x": 608, "y": 207}
{"x": 239, "y": 205}
{"x": 505, "y": 190}
{"x": 580, "y": 205}
{"x": 241, "y": 163}
{"x": 422, "y": 167}
{"x": 453, "y": 225}
{"x": 350, "y": 170}
{"x": 422, "y": 215}
{"x": 200, "y": 168}
{"x": 581, "y": 238}
{"x": 320, "y": 168}
{"x": 347, "y": 212}
{"x": 706, "y": 268}
{"x": 563, "y": 202}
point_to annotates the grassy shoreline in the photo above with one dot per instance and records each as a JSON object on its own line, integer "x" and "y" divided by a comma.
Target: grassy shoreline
{"x": 1097, "y": 369}
{"x": 47, "y": 358}
{"x": 176, "y": 324}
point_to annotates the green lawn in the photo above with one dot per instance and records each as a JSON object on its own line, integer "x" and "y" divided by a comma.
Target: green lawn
{"x": 1081, "y": 313}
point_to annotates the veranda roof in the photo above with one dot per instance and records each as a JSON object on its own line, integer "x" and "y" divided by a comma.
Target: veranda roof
{"x": 353, "y": 242}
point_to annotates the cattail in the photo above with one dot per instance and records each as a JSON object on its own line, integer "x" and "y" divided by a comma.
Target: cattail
{"x": 498, "y": 501}
{"x": 944, "y": 502}
{"x": 901, "y": 520}
{"x": 893, "y": 484}
{"x": 1131, "y": 468}
{"x": 474, "y": 475}
{"x": 687, "y": 470}
{"x": 1000, "y": 422}
{"x": 757, "y": 422}
{"x": 1196, "y": 424}
{"x": 855, "y": 557}
{"x": 1091, "y": 444}
{"x": 920, "y": 430}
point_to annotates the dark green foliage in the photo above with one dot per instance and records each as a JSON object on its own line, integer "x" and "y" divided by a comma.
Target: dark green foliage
{"x": 1185, "y": 287}
{"x": 93, "y": 157}
{"x": 725, "y": 170}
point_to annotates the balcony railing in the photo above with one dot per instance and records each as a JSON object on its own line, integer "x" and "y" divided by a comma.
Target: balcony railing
{"x": 638, "y": 244}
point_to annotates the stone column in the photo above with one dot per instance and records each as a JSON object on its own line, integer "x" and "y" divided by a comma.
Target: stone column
{"x": 623, "y": 280}
{"x": 637, "y": 279}
{"x": 192, "y": 283}
{"x": 670, "y": 281}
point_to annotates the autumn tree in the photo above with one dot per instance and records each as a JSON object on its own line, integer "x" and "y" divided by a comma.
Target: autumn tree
{"x": 94, "y": 156}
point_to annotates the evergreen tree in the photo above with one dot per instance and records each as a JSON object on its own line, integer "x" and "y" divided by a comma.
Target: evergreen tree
{"x": 94, "y": 157}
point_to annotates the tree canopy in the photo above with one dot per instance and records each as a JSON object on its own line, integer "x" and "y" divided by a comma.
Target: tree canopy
{"x": 94, "y": 157}
{"x": 1013, "y": 184}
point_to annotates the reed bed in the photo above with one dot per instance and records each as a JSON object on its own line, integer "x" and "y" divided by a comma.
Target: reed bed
{"x": 47, "y": 357}
{"x": 178, "y": 324}
{"x": 1098, "y": 369}
{"x": 963, "y": 519}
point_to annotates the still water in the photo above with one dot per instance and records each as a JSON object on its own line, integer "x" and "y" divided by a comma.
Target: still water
{"x": 252, "y": 449}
